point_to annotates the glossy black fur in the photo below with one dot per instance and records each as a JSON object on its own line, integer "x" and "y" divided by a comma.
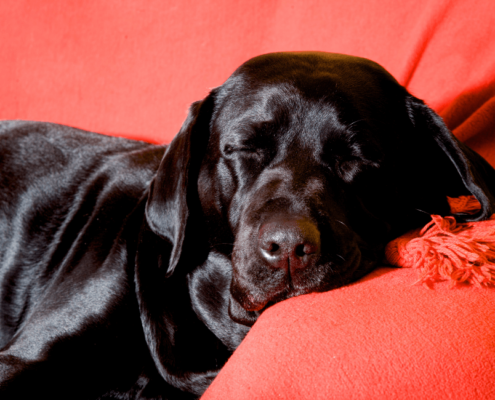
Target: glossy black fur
{"x": 132, "y": 271}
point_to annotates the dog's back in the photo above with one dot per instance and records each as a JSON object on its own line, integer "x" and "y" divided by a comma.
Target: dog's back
{"x": 64, "y": 196}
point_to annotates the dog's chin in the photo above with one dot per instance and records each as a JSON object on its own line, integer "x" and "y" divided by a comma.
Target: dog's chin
{"x": 238, "y": 314}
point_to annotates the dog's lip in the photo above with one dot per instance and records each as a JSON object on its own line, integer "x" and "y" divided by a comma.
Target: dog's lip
{"x": 240, "y": 315}
{"x": 263, "y": 306}
{"x": 251, "y": 305}
{"x": 268, "y": 301}
{"x": 258, "y": 301}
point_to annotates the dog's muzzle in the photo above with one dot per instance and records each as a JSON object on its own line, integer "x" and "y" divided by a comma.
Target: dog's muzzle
{"x": 289, "y": 243}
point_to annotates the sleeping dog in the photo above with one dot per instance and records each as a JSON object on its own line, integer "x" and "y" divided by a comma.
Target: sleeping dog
{"x": 133, "y": 271}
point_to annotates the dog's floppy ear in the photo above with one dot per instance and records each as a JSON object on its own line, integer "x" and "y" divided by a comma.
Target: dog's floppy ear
{"x": 477, "y": 177}
{"x": 168, "y": 206}
{"x": 182, "y": 347}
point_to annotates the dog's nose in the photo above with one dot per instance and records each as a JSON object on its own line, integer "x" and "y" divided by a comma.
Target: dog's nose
{"x": 289, "y": 243}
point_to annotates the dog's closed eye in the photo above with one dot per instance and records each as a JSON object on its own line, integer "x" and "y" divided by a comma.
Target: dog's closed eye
{"x": 230, "y": 149}
{"x": 349, "y": 168}
{"x": 255, "y": 148}
{"x": 352, "y": 156}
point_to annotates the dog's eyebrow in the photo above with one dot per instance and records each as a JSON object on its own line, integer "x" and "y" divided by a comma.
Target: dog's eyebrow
{"x": 264, "y": 127}
{"x": 351, "y": 151}
{"x": 246, "y": 129}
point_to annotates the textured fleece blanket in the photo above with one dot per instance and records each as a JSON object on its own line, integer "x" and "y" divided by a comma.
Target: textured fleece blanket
{"x": 380, "y": 338}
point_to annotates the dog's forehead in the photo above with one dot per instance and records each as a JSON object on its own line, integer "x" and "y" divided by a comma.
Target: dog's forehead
{"x": 308, "y": 92}
{"x": 268, "y": 102}
{"x": 279, "y": 107}
{"x": 286, "y": 80}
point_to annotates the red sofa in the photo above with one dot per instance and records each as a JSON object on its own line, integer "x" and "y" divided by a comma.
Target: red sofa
{"x": 132, "y": 67}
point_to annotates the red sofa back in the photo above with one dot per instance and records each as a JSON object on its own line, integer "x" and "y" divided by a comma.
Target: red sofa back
{"x": 132, "y": 67}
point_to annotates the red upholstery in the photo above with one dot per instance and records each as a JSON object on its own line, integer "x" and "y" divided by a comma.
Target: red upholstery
{"x": 132, "y": 67}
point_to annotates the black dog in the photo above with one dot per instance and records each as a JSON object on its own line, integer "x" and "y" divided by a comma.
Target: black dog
{"x": 132, "y": 271}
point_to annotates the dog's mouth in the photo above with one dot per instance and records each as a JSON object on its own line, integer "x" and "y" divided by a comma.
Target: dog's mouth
{"x": 240, "y": 315}
{"x": 251, "y": 298}
{"x": 245, "y": 307}
{"x": 247, "y": 316}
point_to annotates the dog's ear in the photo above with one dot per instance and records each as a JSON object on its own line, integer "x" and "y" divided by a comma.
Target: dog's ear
{"x": 451, "y": 167}
{"x": 168, "y": 205}
{"x": 182, "y": 347}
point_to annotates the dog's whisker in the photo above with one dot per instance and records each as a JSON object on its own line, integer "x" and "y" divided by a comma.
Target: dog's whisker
{"x": 343, "y": 223}
{"x": 354, "y": 123}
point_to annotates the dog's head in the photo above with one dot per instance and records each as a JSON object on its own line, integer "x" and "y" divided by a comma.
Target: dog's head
{"x": 301, "y": 167}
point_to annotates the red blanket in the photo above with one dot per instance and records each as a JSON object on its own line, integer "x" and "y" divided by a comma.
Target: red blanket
{"x": 381, "y": 338}
{"x": 132, "y": 67}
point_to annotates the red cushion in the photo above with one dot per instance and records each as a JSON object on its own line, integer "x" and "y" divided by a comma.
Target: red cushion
{"x": 380, "y": 338}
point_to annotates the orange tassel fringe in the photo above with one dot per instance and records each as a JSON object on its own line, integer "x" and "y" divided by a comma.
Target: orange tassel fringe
{"x": 447, "y": 250}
